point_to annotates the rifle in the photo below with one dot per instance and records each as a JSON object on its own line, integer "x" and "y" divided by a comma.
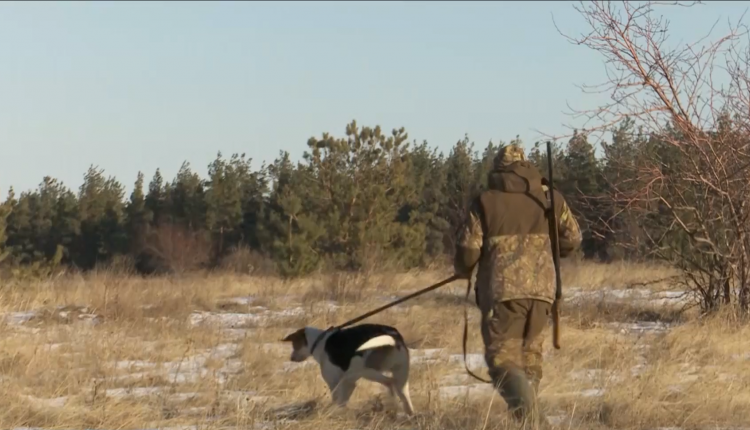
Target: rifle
{"x": 555, "y": 253}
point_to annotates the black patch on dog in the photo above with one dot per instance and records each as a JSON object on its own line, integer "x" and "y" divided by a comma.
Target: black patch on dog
{"x": 342, "y": 346}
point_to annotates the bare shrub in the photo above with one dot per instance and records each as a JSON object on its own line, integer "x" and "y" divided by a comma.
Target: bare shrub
{"x": 247, "y": 261}
{"x": 176, "y": 249}
{"x": 342, "y": 287}
{"x": 122, "y": 265}
{"x": 685, "y": 180}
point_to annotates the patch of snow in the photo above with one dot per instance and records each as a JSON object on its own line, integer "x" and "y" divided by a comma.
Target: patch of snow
{"x": 237, "y": 333}
{"x": 655, "y": 298}
{"x": 134, "y": 365}
{"x": 24, "y": 329}
{"x": 191, "y": 369}
{"x": 130, "y": 377}
{"x": 290, "y": 366}
{"x": 133, "y": 392}
{"x": 245, "y": 397}
{"x": 275, "y": 348}
{"x": 232, "y": 320}
{"x": 18, "y": 318}
{"x": 188, "y": 370}
{"x": 674, "y": 388}
{"x": 641, "y": 327}
{"x": 455, "y": 379}
{"x": 234, "y": 365}
{"x": 175, "y": 428}
{"x": 196, "y": 410}
{"x": 262, "y": 317}
{"x": 594, "y": 375}
{"x": 72, "y": 355}
{"x": 457, "y": 391}
{"x": 90, "y": 319}
{"x": 184, "y": 397}
{"x": 225, "y": 350}
{"x": 56, "y": 402}
{"x": 242, "y": 301}
{"x": 638, "y": 369}
{"x": 293, "y": 312}
{"x": 54, "y": 346}
{"x": 592, "y": 392}
{"x": 473, "y": 361}
{"x": 556, "y": 420}
{"x": 425, "y": 356}
{"x": 164, "y": 319}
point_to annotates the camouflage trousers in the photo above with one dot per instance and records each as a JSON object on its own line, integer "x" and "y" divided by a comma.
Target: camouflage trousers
{"x": 512, "y": 332}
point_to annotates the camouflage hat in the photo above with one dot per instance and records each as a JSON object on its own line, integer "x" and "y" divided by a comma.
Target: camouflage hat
{"x": 508, "y": 155}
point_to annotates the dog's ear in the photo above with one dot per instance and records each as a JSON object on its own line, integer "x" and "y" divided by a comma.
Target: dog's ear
{"x": 299, "y": 334}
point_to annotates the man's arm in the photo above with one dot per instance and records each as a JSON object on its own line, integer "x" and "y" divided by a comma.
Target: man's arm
{"x": 469, "y": 244}
{"x": 568, "y": 230}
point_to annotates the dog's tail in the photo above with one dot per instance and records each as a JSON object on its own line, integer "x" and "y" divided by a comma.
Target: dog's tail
{"x": 392, "y": 340}
{"x": 381, "y": 341}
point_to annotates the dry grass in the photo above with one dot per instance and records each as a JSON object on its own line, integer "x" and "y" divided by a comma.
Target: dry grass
{"x": 126, "y": 353}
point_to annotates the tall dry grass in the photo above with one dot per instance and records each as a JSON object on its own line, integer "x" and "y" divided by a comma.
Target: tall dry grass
{"x": 99, "y": 344}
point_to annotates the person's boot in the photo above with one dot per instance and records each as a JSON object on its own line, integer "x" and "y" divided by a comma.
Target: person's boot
{"x": 517, "y": 392}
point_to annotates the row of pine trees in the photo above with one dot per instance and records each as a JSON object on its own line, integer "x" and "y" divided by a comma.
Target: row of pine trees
{"x": 368, "y": 198}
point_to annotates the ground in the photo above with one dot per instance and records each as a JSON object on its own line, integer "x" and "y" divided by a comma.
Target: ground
{"x": 109, "y": 351}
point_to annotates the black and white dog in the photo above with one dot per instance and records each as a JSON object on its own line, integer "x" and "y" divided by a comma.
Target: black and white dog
{"x": 363, "y": 351}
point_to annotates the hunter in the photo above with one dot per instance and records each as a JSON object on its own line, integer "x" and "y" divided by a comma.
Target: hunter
{"x": 507, "y": 233}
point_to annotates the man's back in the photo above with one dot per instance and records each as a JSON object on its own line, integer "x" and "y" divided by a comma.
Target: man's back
{"x": 508, "y": 227}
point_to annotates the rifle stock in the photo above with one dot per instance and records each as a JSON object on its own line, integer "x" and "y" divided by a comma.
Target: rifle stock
{"x": 555, "y": 325}
{"x": 554, "y": 238}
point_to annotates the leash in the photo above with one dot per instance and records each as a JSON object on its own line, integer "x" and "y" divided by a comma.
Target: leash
{"x": 381, "y": 309}
{"x": 466, "y": 333}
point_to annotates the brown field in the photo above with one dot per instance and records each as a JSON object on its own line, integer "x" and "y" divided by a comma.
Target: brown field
{"x": 108, "y": 351}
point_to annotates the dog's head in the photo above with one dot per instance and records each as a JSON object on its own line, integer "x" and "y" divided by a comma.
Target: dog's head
{"x": 300, "y": 345}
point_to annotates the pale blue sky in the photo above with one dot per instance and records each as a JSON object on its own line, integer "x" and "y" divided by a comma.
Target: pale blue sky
{"x": 134, "y": 85}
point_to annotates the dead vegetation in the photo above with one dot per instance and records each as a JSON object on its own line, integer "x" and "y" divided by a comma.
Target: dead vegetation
{"x": 204, "y": 350}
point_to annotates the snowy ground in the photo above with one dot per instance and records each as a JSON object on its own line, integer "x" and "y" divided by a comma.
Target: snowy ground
{"x": 218, "y": 364}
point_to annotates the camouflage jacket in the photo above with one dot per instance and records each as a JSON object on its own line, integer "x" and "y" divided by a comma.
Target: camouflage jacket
{"x": 507, "y": 233}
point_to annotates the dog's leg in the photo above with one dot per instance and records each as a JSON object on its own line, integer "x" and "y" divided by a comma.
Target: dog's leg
{"x": 333, "y": 376}
{"x": 401, "y": 387}
{"x": 403, "y": 394}
{"x": 343, "y": 391}
{"x": 375, "y": 376}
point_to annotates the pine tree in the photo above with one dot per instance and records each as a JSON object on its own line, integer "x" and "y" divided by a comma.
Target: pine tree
{"x": 361, "y": 184}
{"x": 101, "y": 209}
{"x": 5, "y": 208}
{"x": 292, "y": 232}
{"x": 483, "y": 165}
{"x": 156, "y": 199}
{"x": 582, "y": 186}
{"x": 138, "y": 217}
{"x": 187, "y": 199}
{"x": 428, "y": 176}
{"x": 223, "y": 202}
{"x": 460, "y": 186}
